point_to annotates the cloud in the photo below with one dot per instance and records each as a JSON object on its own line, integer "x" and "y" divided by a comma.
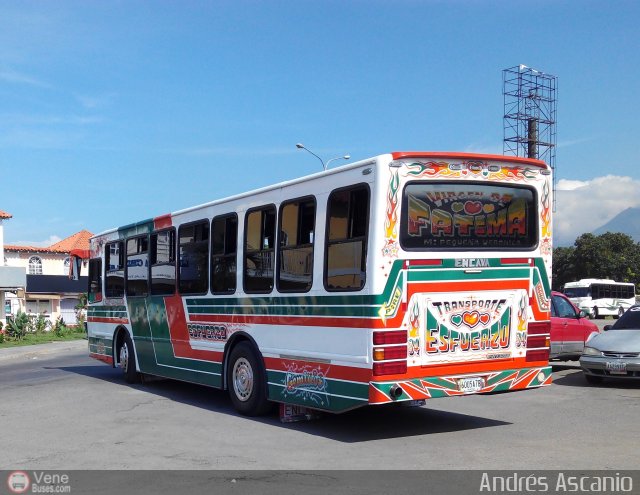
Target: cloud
{"x": 91, "y": 102}
{"x": 570, "y": 185}
{"x": 15, "y": 77}
{"x": 583, "y": 206}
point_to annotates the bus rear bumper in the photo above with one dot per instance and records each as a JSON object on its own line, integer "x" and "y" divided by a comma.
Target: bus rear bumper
{"x": 450, "y": 386}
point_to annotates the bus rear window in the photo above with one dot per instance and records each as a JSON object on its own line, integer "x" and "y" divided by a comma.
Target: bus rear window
{"x": 459, "y": 215}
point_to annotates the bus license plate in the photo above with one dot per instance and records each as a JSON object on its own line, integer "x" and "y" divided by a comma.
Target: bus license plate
{"x": 616, "y": 367}
{"x": 470, "y": 385}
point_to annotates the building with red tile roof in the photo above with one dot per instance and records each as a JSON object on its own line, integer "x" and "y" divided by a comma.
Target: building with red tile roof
{"x": 49, "y": 290}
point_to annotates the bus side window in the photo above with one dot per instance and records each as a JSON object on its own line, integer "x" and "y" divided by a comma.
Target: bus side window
{"x": 95, "y": 280}
{"x": 194, "y": 258}
{"x": 163, "y": 262}
{"x": 346, "y": 248}
{"x": 114, "y": 267}
{"x": 138, "y": 266}
{"x": 295, "y": 249}
{"x": 259, "y": 248}
{"x": 224, "y": 252}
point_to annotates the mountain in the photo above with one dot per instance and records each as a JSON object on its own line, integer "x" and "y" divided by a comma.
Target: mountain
{"x": 627, "y": 222}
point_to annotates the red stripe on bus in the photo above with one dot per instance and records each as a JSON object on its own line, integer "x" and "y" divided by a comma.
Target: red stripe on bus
{"x": 516, "y": 261}
{"x": 179, "y": 332}
{"x": 162, "y": 222}
{"x": 330, "y": 370}
{"x": 468, "y": 156}
{"x": 424, "y": 262}
{"x": 459, "y": 368}
{"x": 102, "y": 357}
{"x": 463, "y": 285}
{"x": 105, "y": 319}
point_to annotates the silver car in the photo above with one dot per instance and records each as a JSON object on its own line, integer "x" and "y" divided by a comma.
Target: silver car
{"x": 614, "y": 353}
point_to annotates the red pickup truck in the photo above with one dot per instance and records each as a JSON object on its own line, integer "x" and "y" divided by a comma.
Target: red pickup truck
{"x": 570, "y": 329}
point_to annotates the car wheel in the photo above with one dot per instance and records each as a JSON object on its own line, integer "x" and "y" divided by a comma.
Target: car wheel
{"x": 592, "y": 379}
{"x": 247, "y": 381}
{"x": 127, "y": 361}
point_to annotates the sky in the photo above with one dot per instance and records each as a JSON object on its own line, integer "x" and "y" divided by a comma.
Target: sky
{"x": 116, "y": 111}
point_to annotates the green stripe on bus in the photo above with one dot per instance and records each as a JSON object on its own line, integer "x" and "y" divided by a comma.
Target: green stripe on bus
{"x": 462, "y": 275}
{"x": 154, "y": 348}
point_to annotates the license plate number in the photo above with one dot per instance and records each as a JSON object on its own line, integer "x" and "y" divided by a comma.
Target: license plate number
{"x": 616, "y": 367}
{"x": 470, "y": 385}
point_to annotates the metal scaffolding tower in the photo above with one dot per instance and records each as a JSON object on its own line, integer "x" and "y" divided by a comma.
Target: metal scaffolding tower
{"x": 530, "y": 115}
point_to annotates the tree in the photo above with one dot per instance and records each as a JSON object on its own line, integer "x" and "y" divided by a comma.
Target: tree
{"x": 563, "y": 269}
{"x": 611, "y": 255}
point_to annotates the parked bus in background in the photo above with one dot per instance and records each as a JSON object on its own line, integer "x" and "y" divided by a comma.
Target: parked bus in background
{"x": 601, "y": 297}
{"x": 402, "y": 277}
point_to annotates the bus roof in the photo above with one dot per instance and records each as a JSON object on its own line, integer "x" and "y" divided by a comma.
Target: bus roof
{"x": 585, "y": 282}
{"x": 399, "y": 155}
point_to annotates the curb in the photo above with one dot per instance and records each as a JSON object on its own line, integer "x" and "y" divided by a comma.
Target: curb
{"x": 38, "y": 350}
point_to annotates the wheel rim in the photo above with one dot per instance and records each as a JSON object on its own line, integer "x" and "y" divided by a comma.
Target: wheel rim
{"x": 242, "y": 378}
{"x": 124, "y": 357}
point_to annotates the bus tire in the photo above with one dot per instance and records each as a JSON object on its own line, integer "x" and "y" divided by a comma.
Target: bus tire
{"x": 127, "y": 360}
{"x": 620, "y": 313}
{"x": 595, "y": 313}
{"x": 247, "y": 381}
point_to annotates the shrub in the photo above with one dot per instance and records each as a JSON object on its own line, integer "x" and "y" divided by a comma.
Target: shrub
{"x": 41, "y": 324}
{"x": 18, "y": 326}
{"x": 59, "y": 327}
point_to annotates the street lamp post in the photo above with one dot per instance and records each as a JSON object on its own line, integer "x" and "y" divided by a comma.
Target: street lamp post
{"x": 301, "y": 146}
{"x": 345, "y": 157}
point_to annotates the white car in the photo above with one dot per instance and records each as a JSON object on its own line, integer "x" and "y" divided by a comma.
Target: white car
{"x": 615, "y": 353}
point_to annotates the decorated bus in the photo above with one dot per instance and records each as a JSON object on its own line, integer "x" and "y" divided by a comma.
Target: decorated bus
{"x": 403, "y": 277}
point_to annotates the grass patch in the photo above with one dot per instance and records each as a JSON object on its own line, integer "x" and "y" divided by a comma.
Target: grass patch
{"x": 43, "y": 338}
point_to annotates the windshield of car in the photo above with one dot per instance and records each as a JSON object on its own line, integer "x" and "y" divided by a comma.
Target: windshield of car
{"x": 629, "y": 320}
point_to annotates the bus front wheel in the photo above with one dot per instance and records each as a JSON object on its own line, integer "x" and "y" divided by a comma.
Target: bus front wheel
{"x": 247, "y": 381}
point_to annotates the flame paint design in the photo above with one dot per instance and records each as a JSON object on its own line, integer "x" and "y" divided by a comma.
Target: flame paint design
{"x": 391, "y": 221}
{"x": 414, "y": 320}
{"x": 481, "y": 171}
{"x": 522, "y": 315}
{"x": 545, "y": 213}
{"x": 431, "y": 169}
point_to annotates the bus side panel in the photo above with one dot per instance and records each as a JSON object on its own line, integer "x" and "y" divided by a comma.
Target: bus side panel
{"x": 160, "y": 354}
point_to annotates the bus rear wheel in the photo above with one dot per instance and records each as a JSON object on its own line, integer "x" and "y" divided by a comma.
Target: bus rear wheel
{"x": 247, "y": 381}
{"x": 127, "y": 360}
{"x": 595, "y": 313}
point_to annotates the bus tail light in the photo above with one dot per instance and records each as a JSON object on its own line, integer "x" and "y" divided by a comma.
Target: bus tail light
{"x": 387, "y": 337}
{"x": 390, "y": 368}
{"x": 386, "y": 353}
{"x": 538, "y": 341}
